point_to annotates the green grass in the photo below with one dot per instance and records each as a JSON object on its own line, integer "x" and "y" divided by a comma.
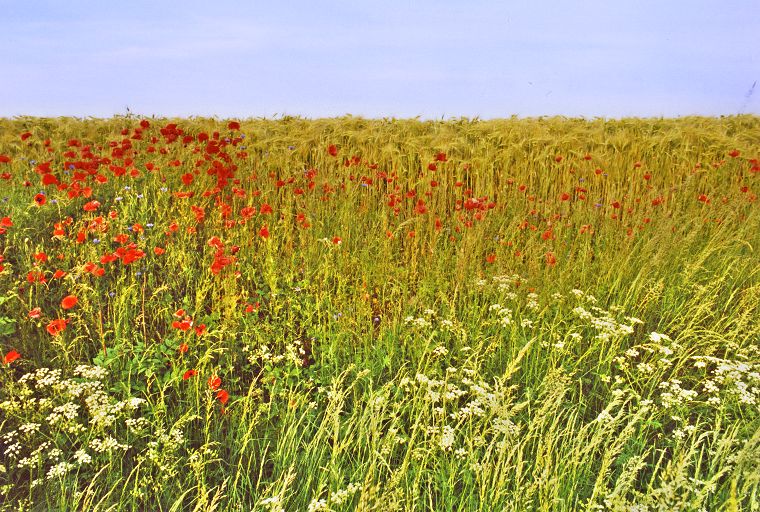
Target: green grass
{"x": 565, "y": 320}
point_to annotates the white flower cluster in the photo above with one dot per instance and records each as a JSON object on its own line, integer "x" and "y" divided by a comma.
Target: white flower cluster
{"x": 673, "y": 394}
{"x": 739, "y": 379}
{"x": 43, "y": 377}
{"x": 505, "y": 282}
{"x": 607, "y": 326}
{"x": 137, "y": 425}
{"x": 604, "y": 417}
{"x": 532, "y": 302}
{"x": 504, "y": 314}
{"x": 656, "y": 337}
{"x": 505, "y": 426}
{"x": 447, "y": 325}
{"x": 107, "y": 444}
{"x": 419, "y": 322}
{"x": 54, "y": 410}
{"x": 317, "y": 504}
{"x": 447, "y": 438}
{"x": 440, "y": 351}
{"x": 460, "y": 399}
{"x": 59, "y": 470}
{"x": 273, "y": 503}
{"x": 82, "y": 457}
{"x": 29, "y": 427}
{"x": 90, "y": 372}
{"x": 341, "y": 496}
{"x": 68, "y": 411}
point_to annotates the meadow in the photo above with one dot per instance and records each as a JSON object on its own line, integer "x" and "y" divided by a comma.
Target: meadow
{"x": 388, "y": 315}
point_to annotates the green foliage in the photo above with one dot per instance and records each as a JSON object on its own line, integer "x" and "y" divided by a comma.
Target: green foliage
{"x": 7, "y": 324}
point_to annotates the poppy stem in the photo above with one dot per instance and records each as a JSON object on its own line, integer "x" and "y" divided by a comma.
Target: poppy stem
{"x": 100, "y": 327}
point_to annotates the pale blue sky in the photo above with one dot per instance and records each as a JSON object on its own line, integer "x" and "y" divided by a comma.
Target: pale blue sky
{"x": 392, "y": 58}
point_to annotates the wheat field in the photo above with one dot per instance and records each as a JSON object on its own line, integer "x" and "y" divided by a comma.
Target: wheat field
{"x": 352, "y": 314}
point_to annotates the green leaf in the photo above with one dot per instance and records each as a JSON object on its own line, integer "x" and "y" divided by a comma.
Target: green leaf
{"x": 7, "y": 325}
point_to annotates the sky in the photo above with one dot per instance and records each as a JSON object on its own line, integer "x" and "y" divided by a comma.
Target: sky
{"x": 428, "y": 58}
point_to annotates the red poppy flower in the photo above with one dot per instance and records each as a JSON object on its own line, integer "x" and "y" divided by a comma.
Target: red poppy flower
{"x": 551, "y": 260}
{"x": 91, "y": 206}
{"x": 558, "y": 158}
{"x": 35, "y": 312}
{"x": 490, "y": 258}
{"x": 222, "y": 396}
{"x": 734, "y": 153}
{"x": 183, "y": 325}
{"x": 337, "y": 240}
{"x": 49, "y": 179}
{"x": 130, "y": 255}
{"x": 564, "y": 197}
{"x": 264, "y": 232}
{"x": 4, "y": 159}
{"x": 69, "y": 302}
{"x": 158, "y": 251}
{"x": 214, "y": 382}
{"x": 332, "y": 150}
{"x": 35, "y": 277}
{"x": 183, "y": 348}
{"x": 108, "y": 258}
{"x": 200, "y": 329}
{"x": 13, "y": 355}
{"x": 40, "y": 199}
{"x": 440, "y": 157}
{"x": 188, "y": 374}
{"x": 233, "y": 125}
{"x": 215, "y": 242}
{"x": 55, "y": 327}
{"x": 432, "y": 167}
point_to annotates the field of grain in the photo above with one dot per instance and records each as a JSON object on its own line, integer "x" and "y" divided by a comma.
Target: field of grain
{"x": 351, "y": 314}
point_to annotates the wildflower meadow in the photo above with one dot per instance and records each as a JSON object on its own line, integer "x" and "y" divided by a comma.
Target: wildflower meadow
{"x": 388, "y": 315}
